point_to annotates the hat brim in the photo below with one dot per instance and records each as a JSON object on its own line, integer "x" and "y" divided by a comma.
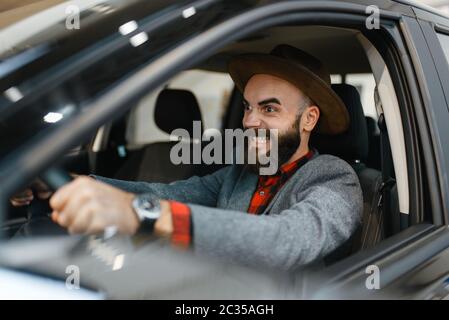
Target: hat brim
{"x": 334, "y": 115}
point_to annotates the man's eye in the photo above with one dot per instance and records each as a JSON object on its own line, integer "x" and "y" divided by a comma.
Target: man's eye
{"x": 246, "y": 107}
{"x": 269, "y": 109}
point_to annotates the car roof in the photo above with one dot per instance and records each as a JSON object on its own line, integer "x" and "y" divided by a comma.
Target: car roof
{"x": 133, "y": 10}
{"x": 55, "y": 29}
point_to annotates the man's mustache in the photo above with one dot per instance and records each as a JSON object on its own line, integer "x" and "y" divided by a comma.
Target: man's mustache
{"x": 261, "y": 132}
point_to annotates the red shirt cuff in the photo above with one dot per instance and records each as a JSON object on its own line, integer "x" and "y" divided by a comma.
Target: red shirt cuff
{"x": 181, "y": 236}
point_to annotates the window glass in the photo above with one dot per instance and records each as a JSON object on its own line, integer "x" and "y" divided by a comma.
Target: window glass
{"x": 51, "y": 92}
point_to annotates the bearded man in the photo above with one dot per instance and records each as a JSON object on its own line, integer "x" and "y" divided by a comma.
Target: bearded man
{"x": 304, "y": 211}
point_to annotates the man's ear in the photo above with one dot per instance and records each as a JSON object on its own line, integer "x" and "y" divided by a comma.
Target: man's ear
{"x": 310, "y": 118}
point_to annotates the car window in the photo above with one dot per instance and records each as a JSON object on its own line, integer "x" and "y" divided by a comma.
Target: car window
{"x": 51, "y": 24}
{"x": 46, "y": 96}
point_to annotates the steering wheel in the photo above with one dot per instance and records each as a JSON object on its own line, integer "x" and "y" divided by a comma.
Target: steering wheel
{"x": 38, "y": 210}
{"x": 55, "y": 178}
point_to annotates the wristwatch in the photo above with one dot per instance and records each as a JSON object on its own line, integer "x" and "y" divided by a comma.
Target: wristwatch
{"x": 148, "y": 210}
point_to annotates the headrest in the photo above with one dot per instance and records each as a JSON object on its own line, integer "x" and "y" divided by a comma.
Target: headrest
{"x": 353, "y": 143}
{"x": 176, "y": 109}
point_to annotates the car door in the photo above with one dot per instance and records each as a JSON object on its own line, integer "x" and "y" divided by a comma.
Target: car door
{"x": 393, "y": 257}
{"x": 427, "y": 41}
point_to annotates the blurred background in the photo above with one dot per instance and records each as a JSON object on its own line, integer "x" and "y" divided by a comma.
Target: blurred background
{"x": 14, "y": 10}
{"x": 442, "y": 5}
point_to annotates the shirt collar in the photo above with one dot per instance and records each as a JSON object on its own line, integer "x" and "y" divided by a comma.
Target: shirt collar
{"x": 295, "y": 165}
{"x": 289, "y": 169}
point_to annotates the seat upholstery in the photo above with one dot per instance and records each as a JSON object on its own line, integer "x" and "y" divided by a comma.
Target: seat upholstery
{"x": 374, "y": 158}
{"x": 353, "y": 146}
{"x": 174, "y": 109}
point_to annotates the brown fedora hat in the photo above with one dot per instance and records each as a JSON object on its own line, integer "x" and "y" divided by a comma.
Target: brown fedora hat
{"x": 301, "y": 69}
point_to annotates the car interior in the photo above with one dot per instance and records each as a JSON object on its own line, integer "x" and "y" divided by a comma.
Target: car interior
{"x": 127, "y": 148}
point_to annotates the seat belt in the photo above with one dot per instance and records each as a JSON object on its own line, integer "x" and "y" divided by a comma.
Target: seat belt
{"x": 375, "y": 227}
{"x": 388, "y": 182}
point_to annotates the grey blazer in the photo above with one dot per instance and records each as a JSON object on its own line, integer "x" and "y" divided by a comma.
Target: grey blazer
{"x": 315, "y": 212}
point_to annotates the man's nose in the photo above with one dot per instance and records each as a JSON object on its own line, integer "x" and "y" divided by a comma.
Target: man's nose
{"x": 251, "y": 120}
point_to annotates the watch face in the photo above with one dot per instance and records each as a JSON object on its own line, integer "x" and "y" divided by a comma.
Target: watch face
{"x": 148, "y": 207}
{"x": 146, "y": 204}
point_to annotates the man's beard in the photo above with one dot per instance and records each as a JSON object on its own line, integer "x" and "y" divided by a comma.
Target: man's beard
{"x": 288, "y": 143}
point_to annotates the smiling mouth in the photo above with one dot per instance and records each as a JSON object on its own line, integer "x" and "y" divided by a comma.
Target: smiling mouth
{"x": 260, "y": 139}
{"x": 262, "y": 144}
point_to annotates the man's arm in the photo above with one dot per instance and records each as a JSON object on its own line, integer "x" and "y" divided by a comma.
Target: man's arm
{"x": 88, "y": 205}
{"x": 324, "y": 217}
{"x": 198, "y": 190}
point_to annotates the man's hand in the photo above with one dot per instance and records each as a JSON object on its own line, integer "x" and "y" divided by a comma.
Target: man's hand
{"x": 88, "y": 206}
{"x": 25, "y": 197}
{"x": 22, "y": 198}
{"x": 164, "y": 225}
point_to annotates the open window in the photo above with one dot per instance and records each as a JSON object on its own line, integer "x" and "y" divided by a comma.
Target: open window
{"x": 375, "y": 144}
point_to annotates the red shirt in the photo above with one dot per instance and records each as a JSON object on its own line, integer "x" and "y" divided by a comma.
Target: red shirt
{"x": 267, "y": 188}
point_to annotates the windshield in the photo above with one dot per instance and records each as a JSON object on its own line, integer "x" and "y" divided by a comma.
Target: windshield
{"x": 21, "y": 30}
{"x": 51, "y": 89}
